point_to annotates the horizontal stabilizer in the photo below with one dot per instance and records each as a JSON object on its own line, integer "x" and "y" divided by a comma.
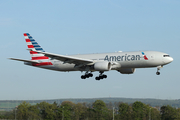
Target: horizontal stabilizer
{"x": 31, "y": 61}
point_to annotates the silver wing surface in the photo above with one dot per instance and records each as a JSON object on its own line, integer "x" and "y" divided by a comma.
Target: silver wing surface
{"x": 67, "y": 59}
{"x": 31, "y": 61}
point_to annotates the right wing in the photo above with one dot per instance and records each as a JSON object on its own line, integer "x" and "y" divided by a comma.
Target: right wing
{"x": 31, "y": 61}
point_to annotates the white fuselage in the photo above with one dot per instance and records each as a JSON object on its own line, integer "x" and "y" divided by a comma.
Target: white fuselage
{"x": 119, "y": 60}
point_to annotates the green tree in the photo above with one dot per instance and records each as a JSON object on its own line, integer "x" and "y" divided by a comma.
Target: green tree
{"x": 90, "y": 112}
{"x": 155, "y": 114}
{"x": 140, "y": 111}
{"x": 34, "y": 112}
{"x": 168, "y": 113}
{"x": 80, "y": 111}
{"x": 178, "y": 114}
{"x": 65, "y": 111}
{"x": 23, "y": 111}
{"x": 125, "y": 111}
{"x": 100, "y": 110}
{"x": 7, "y": 114}
{"x": 46, "y": 110}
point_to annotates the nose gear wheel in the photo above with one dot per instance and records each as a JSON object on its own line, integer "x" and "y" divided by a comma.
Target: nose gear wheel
{"x": 158, "y": 68}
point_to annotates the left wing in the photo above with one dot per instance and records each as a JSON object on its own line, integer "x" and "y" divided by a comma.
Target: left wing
{"x": 31, "y": 61}
{"x": 67, "y": 59}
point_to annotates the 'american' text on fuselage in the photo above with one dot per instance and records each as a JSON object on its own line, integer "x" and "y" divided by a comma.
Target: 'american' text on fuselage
{"x": 122, "y": 58}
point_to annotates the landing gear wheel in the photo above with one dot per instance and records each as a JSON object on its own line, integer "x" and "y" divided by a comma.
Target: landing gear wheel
{"x": 101, "y": 76}
{"x": 87, "y": 76}
{"x": 97, "y": 78}
{"x": 90, "y": 74}
{"x": 83, "y": 77}
{"x": 157, "y": 73}
{"x": 158, "y": 68}
{"x": 104, "y": 76}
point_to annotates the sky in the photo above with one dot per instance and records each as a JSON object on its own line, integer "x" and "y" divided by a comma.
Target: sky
{"x": 88, "y": 26}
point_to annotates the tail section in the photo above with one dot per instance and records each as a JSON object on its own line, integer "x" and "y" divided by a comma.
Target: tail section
{"x": 34, "y": 46}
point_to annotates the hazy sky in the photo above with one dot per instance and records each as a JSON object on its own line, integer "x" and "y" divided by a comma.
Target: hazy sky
{"x": 88, "y": 26}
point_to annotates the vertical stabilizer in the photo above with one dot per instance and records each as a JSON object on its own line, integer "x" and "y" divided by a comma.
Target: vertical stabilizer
{"x": 34, "y": 46}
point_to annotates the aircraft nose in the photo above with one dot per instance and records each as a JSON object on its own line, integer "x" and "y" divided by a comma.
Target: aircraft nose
{"x": 170, "y": 59}
{"x": 167, "y": 60}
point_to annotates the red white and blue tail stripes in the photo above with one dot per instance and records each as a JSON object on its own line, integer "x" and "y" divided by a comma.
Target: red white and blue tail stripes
{"x": 34, "y": 46}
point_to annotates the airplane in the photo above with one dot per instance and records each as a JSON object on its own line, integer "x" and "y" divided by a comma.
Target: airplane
{"x": 123, "y": 62}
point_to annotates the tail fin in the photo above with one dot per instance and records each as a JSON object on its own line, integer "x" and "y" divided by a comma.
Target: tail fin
{"x": 32, "y": 44}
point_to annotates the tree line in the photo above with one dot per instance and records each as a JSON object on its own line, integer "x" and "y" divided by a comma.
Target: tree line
{"x": 97, "y": 110}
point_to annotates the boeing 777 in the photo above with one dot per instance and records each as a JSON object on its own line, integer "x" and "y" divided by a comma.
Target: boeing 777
{"x": 123, "y": 62}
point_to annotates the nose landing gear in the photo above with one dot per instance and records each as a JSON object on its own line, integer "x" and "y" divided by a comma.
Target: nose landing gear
{"x": 157, "y": 73}
{"x": 158, "y": 68}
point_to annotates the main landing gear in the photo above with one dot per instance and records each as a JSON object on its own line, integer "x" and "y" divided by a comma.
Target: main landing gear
{"x": 158, "y": 68}
{"x": 101, "y": 76}
{"x": 87, "y": 75}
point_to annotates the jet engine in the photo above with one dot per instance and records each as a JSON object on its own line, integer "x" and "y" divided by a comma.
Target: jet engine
{"x": 127, "y": 70}
{"x": 102, "y": 66}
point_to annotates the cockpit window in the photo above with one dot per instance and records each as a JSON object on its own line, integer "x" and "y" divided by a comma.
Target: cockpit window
{"x": 166, "y": 56}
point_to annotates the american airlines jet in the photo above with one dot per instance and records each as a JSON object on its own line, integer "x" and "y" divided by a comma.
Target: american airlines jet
{"x": 123, "y": 62}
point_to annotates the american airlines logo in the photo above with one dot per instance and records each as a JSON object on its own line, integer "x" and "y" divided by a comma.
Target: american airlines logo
{"x": 125, "y": 57}
{"x": 144, "y": 56}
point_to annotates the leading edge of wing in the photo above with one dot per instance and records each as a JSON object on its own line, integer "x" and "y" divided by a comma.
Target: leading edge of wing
{"x": 67, "y": 59}
{"x": 31, "y": 61}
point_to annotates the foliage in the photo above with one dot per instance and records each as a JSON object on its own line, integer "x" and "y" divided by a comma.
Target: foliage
{"x": 125, "y": 111}
{"x": 97, "y": 110}
{"x": 169, "y": 113}
{"x": 100, "y": 110}
{"x": 154, "y": 114}
{"x": 23, "y": 111}
{"x": 11, "y": 104}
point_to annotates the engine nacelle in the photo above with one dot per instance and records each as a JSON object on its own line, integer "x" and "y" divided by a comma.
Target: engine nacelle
{"x": 102, "y": 66}
{"x": 127, "y": 70}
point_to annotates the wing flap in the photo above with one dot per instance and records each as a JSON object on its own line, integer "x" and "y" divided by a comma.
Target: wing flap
{"x": 31, "y": 61}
